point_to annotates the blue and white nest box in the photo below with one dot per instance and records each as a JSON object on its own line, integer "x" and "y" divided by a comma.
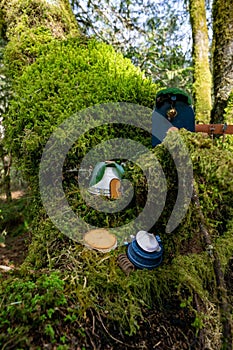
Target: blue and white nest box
{"x": 145, "y": 251}
{"x": 106, "y": 179}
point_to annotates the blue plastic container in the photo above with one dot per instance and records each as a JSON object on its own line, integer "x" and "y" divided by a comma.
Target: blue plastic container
{"x": 143, "y": 259}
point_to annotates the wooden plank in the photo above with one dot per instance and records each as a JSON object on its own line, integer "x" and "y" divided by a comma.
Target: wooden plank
{"x": 219, "y": 129}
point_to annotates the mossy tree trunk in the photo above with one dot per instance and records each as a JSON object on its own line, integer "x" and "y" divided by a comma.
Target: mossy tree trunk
{"x": 202, "y": 74}
{"x": 24, "y": 24}
{"x": 222, "y": 56}
{"x": 27, "y": 23}
{"x": 56, "y": 15}
{"x": 6, "y": 161}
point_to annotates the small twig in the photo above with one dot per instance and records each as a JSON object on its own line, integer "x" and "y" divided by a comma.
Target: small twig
{"x": 93, "y": 322}
{"x": 92, "y": 343}
{"x": 157, "y": 344}
{"x": 111, "y": 336}
{"x": 85, "y": 282}
{"x": 4, "y": 296}
{"x": 48, "y": 256}
{"x": 5, "y": 268}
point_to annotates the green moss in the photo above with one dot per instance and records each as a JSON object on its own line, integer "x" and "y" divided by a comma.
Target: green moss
{"x": 23, "y": 51}
{"x": 94, "y": 281}
{"x": 25, "y": 14}
{"x": 31, "y": 24}
{"x": 70, "y": 75}
{"x": 2, "y": 25}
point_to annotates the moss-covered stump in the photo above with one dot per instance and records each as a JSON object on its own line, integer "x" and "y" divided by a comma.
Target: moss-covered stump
{"x": 67, "y": 77}
{"x": 88, "y": 294}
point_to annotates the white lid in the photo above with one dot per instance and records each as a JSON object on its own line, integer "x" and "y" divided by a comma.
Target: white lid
{"x": 147, "y": 241}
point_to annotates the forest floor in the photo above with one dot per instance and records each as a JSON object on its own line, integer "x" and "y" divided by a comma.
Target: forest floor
{"x": 14, "y": 250}
{"x": 14, "y": 238}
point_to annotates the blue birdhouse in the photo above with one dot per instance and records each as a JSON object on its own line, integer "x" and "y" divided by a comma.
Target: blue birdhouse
{"x": 173, "y": 108}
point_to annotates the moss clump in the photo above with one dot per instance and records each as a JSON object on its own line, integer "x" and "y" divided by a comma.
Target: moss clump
{"x": 27, "y": 14}
{"x": 94, "y": 281}
{"x": 70, "y": 75}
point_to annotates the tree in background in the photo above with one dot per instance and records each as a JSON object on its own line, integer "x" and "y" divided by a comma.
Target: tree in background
{"x": 222, "y": 57}
{"x": 202, "y": 75}
{"x": 150, "y": 33}
{"x": 5, "y": 156}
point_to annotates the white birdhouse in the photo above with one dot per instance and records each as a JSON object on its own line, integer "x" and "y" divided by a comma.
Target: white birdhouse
{"x": 105, "y": 180}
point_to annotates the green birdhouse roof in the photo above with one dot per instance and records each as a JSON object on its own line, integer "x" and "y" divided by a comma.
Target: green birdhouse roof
{"x": 175, "y": 91}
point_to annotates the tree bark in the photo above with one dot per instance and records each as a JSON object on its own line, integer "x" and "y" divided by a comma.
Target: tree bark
{"x": 202, "y": 74}
{"x": 222, "y": 57}
{"x": 6, "y": 161}
{"x": 19, "y": 16}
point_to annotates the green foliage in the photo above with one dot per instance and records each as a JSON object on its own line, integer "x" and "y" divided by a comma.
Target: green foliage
{"x": 22, "y": 52}
{"x": 32, "y": 302}
{"x": 147, "y": 32}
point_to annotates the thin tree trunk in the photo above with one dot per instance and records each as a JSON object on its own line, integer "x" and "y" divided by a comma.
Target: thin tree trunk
{"x": 7, "y": 161}
{"x": 202, "y": 74}
{"x": 222, "y": 57}
{"x": 31, "y": 19}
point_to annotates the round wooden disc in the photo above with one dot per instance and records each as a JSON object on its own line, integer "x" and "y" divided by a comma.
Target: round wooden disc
{"x": 100, "y": 239}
